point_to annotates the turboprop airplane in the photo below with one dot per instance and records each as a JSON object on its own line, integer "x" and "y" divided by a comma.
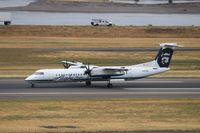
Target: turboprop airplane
{"x": 78, "y": 72}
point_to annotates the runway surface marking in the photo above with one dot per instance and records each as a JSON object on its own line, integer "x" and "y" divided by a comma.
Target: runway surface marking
{"x": 168, "y": 89}
{"x": 158, "y": 81}
{"x": 98, "y": 93}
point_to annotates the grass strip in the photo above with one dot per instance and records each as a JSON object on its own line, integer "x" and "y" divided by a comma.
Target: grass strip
{"x": 100, "y": 115}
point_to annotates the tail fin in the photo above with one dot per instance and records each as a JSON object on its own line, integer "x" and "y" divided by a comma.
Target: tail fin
{"x": 165, "y": 53}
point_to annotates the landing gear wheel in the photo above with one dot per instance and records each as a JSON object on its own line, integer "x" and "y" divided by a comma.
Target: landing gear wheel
{"x": 88, "y": 83}
{"x": 32, "y": 85}
{"x": 109, "y": 85}
{"x": 7, "y": 22}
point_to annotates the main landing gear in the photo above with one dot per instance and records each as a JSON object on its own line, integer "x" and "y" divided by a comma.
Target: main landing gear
{"x": 109, "y": 85}
{"x": 88, "y": 83}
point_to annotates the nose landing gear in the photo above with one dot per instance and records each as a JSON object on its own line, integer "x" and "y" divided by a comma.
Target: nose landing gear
{"x": 32, "y": 85}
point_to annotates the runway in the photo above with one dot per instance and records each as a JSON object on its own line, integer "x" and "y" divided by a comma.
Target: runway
{"x": 143, "y": 88}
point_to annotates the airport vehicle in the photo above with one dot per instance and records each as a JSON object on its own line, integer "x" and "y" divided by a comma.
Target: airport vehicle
{"x": 101, "y": 22}
{"x": 78, "y": 72}
{"x": 5, "y": 17}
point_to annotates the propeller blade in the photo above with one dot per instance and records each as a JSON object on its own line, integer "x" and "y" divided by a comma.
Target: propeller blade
{"x": 88, "y": 70}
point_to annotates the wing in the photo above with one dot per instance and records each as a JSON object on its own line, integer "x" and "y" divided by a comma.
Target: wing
{"x": 108, "y": 71}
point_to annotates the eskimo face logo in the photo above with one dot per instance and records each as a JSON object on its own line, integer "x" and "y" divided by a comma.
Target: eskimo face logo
{"x": 165, "y": 58}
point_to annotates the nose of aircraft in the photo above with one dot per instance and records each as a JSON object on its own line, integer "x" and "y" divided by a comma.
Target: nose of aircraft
{"x": 29, "y": 78}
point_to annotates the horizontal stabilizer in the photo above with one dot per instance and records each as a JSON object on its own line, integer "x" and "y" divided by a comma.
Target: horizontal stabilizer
{"x": 169, "y": 45}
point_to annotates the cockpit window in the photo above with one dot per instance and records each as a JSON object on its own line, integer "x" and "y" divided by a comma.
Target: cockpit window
{"x": 39, "y": 73}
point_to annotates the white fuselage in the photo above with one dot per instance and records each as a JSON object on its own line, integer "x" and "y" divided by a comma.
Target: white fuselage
{"x": 78, "y": 74}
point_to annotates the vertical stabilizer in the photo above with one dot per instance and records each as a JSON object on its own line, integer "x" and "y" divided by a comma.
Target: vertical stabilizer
{"x": 165, "y": 53}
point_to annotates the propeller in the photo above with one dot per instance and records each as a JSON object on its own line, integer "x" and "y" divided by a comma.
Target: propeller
{"x": 88, "y": 70}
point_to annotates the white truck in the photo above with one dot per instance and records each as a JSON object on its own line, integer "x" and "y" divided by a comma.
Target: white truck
{"x": 5, "y": 18}
{"x": 101, "y": 22}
